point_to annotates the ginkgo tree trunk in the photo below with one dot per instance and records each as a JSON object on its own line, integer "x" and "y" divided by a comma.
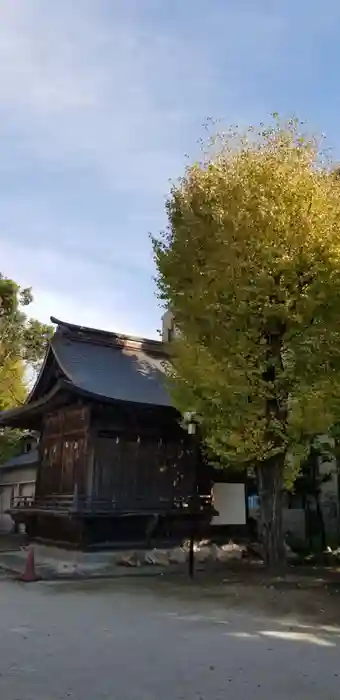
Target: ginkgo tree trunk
{"x": 250, "y": 266}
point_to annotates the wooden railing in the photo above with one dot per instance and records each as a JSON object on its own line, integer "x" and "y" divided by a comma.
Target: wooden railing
{"x": 81, "y": 505}
{"x": 60, "y": 502}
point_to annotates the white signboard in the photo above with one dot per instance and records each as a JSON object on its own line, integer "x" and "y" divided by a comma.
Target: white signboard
{"x": 229, "y": 501}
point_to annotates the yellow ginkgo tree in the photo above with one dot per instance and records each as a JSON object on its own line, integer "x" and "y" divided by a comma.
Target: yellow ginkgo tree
{"x": 250, "y": 266}
{"x": 23, "y": 342}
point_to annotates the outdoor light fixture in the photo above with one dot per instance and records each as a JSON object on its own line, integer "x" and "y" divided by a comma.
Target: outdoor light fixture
{"x": 189, "y": 421}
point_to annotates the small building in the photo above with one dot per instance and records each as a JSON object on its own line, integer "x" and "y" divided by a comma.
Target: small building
{"x": 115, "y": 465}
{"x": 300, "y": 519}
{"x": 17, "y": 479}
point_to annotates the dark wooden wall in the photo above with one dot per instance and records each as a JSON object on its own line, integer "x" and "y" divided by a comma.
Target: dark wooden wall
{"x": 120, "y": 458}
{"x": 64, "y": 451}
{"x": 142, "y": 458}
{"x": 136, "y": 471}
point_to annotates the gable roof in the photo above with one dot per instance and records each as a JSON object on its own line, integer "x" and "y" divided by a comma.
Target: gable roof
{"x": 102, "y": 365}
{"x": 112, "y": 366}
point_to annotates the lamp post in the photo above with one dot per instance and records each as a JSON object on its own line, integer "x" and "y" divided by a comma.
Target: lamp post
{"x": 189, "y": 421}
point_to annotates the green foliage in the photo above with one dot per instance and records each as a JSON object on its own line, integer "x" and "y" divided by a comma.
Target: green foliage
{"x": 250, "y": 266}
{"x": 9, "y": 443}
{"x": 23, "y": 342}
{"x": 22, "y": 339}
{"x": 309, "y": 482}
{"x": 35, "y": 338}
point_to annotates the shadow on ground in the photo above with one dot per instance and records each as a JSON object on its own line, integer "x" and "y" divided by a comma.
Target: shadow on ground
{"x": 142, "y": 639}
{"x": 311, "y": 599}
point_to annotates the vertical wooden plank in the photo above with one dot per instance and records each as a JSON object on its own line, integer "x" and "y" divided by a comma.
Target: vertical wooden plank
{"x": 90, "y": 463}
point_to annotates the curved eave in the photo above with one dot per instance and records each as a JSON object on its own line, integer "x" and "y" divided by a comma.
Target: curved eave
{"x": 22, "y": 416}
{"x": 120, "y": 369}
{"x": 34, "y": 393}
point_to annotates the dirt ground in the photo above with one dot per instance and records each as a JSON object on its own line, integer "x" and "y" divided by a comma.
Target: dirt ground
{"x": 313, "y": 598}
{"x": 11, "y": 542}
{"x": 303, "y": 591}
{"x": 307, "y": 595}
{"x": 235, "y": 634}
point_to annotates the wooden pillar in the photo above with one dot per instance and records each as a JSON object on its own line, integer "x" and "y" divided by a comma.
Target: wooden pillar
{"x": 90, "y": 468}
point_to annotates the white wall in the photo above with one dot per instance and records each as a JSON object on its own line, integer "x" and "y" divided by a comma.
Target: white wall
{"x": 17, "y": 476}
{"x": 167, "y": 325}
{"x": 229, "y": 501}
{"x": 16, "y": 482}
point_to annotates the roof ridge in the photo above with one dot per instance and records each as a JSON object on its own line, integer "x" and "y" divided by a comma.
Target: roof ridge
{"x": 120, "y": 339}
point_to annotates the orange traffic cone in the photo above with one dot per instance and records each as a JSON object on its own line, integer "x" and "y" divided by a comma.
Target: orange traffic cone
{"x": 29, "y": 574}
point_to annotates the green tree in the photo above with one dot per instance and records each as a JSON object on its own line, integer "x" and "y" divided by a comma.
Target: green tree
{"x": 23, "y": 342}
{"x": 22, "y": 338}
{"x": 250, "y": 266}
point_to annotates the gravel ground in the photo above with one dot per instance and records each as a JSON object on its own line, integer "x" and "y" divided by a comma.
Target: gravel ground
{"x": 139, "y": 640}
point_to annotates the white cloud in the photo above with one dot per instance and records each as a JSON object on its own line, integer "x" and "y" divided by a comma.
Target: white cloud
{"x": 115, "y": 93}
{"x": 35, "y": 224}
{"x": 66, "y": 288}
{"x": 89, "y": 94}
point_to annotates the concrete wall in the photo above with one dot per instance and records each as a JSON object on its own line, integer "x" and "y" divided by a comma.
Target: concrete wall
{"x": 14, "y": 483}
{"x": 329, "y": 499}
{"x": 167, "y": 325}
{"x": 229, "y": 500}
{"x": 294, "y": 518}
{"x": 294, "y": 522}
{"x": 169, "y": 329}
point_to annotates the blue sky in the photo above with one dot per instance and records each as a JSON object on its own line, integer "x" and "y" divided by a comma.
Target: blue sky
{"x": 100, "y": 100}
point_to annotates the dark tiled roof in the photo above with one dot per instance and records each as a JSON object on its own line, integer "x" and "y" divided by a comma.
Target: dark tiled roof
{"x": 112, "y": 366}
{"x": 23, "y": 460}
{"x": 104, "y": 365}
